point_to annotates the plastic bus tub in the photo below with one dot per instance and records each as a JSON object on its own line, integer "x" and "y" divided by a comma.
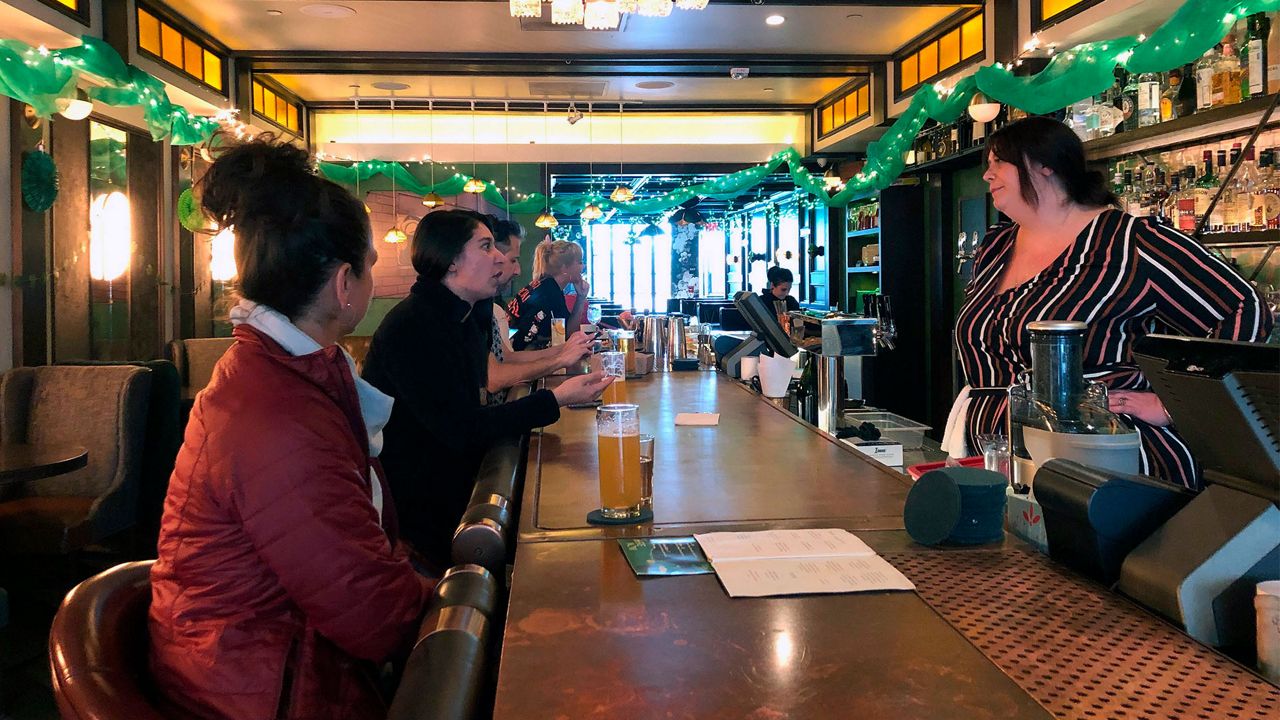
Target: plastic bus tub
{"x": 892, "y": 427}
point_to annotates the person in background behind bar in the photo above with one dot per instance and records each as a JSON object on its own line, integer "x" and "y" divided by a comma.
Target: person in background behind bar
{"x": 280, "y": 586}
{"x": 557, "y": 264}
{"x": 780, "y": 280}
{"x": 1070, "y": 254}
{"x": 508, "y": 366}
{"x": 431, "y": 353}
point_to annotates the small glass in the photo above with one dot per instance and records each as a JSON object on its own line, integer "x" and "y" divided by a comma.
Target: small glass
{"x": 646, "y": 472}
{"x": 995, "y": 453}
{"x": 614, "y": 364}
{"x": 618, "y": 444}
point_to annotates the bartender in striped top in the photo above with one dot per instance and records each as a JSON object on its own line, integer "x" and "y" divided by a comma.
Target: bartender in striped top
{"x": 1070, "y": 254}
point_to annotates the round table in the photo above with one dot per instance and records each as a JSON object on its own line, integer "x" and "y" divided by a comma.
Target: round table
{"x": 23, "y": 463}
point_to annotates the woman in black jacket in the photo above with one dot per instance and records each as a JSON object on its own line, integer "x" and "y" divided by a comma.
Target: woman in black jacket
{"x": 431, "y": 355}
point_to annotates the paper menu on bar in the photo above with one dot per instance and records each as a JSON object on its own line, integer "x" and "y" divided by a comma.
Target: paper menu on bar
{"x": 771, "y": 544}
{"x": 798, "y": 576}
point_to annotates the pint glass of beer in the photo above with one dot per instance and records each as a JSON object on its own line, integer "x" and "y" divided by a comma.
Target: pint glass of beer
{"x": 618, "y": 441}
{"x": 615, "y": 364}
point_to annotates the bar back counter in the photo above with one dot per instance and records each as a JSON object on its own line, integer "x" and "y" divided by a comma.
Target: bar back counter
{"x": 991, "y": 632}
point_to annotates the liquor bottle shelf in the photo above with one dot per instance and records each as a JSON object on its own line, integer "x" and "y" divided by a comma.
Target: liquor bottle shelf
{"x": 969, "y": 157}
{"x": 869, "y": 232}
{"x": 865, "y": 269}
{"x": 1203, "y": 126}
{"x": 1241, "y": 239}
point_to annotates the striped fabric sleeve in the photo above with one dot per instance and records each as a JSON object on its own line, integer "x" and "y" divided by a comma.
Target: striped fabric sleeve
{"x": 1195, "y": 292}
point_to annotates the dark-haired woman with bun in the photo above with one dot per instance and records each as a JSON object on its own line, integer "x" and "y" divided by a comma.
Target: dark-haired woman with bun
{"x": 1070, "y": 254}
{"x": 431, "y": 353}
{"x": 280, "y": 587}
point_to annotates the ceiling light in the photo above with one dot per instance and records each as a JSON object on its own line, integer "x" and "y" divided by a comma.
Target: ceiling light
{"x": 622, "y": 194}
{"x": 654, "y": 8}
{"x": 327, "y": 11}
{"x": 574, "y": 114}
{"x": 592, "y": 212}
{"x": 76, "y": 108}
{"x": 691, "y": 4}
{"x": 546, "y": 221}
{"x": 768, "y": 90}
{"x": 566, "y": 12}
{"x": 601, "y": 15}
{"x": 526, "y": 8}
{"x": 982, "y": 109}
{"x": 654, "y": 84}
{"x": 275, "y": 13}
{"x": 474, "y": 185}
{"x": 774, "y": 20}
{"x": 395, "y": 236}
{"x": 432, "y": 200}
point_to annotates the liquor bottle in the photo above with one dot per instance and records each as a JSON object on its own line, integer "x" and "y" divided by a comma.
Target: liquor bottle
{"x": 1127, "y": 101}
{"x": 1226, "y": 77}
{"x": 1204, "y": 78}
{"x": 1169, "y": 206}
{"x": 1218, "y": 216}
{"x": 1148, "y": 99}
{"x": 1187, "y": 202}
{"x": 1266, "y": 199}
{"x": 1206, "y": 186}
{"x": 1187, "y": 91}
{"x": 1242, "y": 188}
{"x": 1169, "y": 105}
{"x": 1255, "y": 83}
{"x": 1128, "y": 196}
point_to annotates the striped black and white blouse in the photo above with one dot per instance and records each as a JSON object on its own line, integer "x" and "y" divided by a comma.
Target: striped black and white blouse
{"x": 1125, "y": 277}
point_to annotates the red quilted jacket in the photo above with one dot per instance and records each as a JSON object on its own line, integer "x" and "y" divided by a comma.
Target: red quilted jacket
{"x": 277, "y": 591}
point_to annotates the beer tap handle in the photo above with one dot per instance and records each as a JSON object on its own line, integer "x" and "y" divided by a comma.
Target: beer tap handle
{"x": 887, "y": 330}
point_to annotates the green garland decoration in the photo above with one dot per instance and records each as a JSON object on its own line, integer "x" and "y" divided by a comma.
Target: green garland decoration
{"x": 41, "y": 77}
{"x": 39, "y": 180}
{"x": 190, "y": 215}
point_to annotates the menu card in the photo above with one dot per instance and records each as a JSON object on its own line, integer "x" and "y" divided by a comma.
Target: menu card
{"x": 665, "y": 556}
{"x": 793, "y": 562}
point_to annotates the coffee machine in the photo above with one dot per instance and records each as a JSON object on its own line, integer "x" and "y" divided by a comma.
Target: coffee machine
{"x": 1054, "y": 412}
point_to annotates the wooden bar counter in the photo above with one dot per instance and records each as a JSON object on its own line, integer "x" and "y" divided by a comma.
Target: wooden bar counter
{"x": 759, "y": 468}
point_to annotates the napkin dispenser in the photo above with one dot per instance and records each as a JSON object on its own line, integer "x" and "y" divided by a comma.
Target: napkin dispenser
{"x": 1094, "y": 518}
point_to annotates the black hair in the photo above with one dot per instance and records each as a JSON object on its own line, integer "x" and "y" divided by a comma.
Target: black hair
{"x": 504, "y": 230}
{"x": 440, "y": 239}
{"x": 778, "y": 275}
{"x": 292, "y": 227}
{"x": 1049, "y": 143}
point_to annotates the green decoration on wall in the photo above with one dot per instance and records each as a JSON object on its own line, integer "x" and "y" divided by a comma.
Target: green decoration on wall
{"x": 190, "y": 215}
{"x": 39, "y": 180}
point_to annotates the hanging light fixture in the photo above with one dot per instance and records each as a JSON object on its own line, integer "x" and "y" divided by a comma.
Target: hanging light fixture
{"x": 432, "y": 199}
{"x": 622, "y": 193}
{"x": 546, "y": 220}
{"x": 526, "y": 8}
{"x": 601, "y": 15}
{"x": 692, "y": 4}
{"x": 651, "y": 230}
{"x": 76, "y": 108}
{"x": 592, "y": 211}
{"x": 474, "y": 184}
{"x": 982, "y": 109}
{"x": 395, "y": 235}
{"x": 567, "y": 12}
{"x": 654, "y": 8}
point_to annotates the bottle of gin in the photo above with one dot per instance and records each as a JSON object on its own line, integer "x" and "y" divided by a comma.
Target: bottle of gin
{"x": 1204, "y": 78}
{"x": 1148, "y": 99}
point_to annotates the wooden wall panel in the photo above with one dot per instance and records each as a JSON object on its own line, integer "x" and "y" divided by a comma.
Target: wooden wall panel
{"x": 70, "y": 221}
{"x": 145, "y": 179}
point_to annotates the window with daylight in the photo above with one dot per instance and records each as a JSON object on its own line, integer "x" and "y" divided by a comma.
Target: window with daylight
{"x": 758, "y": 245}
{"x": 165, "y": 42}
{"x": 630, "y": 269}
{"x": 270, "y": 104}
{"x": 788, "y": 247}
{"x": 712, "y": 263}
{"x": 847, "y": 108}
{"x": 956, "y": 45}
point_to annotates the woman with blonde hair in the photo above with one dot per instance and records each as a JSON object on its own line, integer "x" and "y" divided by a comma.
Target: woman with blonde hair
{"x": 557, "y": 264}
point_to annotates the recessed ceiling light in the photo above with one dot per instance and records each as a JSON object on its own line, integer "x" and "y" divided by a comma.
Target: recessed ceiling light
{"x": 768, "y": 89}
{"x": 852, "y": 16}
{"x": 275, "y": 12}
{"x": 325, "y": 10}
{"x": 390, "y": 85}
{"x": 655, "y": 84}
{"x": 774, "y": 20}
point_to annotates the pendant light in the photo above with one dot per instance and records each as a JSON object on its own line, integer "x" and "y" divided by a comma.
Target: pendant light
{"x": 526, "y": 8}
{"x": 546, "y": 220}
{"x": 395, "y": 235}
{"x": 601, "y": 15}
{"x": 474, "y": 185}
{"x": 591, "y": 211}
{"x": 432, "y": 199}
{"x": 622, "y": 193}
{"x": 355, "y": 99}
{"x": 982, "y": 109}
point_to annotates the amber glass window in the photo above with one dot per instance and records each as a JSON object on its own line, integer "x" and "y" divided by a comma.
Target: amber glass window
{"x": 1048, "y": 12}
{"x": 270, "y": 105}
{"x": 179, "y": 50}
{"x": 942, "y": 52}
{"x": 78, "y": 9}
{"x": 845, "y": 109}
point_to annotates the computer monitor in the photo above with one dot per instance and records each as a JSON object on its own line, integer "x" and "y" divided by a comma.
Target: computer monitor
{"x": 764, "y": 323}
{"x": 1224, "y": 398}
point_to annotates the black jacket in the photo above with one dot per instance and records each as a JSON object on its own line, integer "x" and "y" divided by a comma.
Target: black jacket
{"x": 431, "y": 355}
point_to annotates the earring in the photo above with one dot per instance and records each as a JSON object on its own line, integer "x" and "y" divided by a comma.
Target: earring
{"x": 348, "y": 304}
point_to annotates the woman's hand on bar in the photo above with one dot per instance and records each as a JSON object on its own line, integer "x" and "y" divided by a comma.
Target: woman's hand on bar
{"x": 1143, "y": 405}
{"x": 582, "y": 389}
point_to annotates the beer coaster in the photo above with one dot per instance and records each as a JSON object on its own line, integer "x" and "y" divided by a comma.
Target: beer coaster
{"x": 595, "y": 517}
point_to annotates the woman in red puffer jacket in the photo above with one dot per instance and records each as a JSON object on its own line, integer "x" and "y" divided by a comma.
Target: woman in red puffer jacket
{"x": 280, "y": 586}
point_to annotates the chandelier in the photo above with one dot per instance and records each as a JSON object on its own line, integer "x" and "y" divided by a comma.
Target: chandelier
{"x": 599, "y": 14}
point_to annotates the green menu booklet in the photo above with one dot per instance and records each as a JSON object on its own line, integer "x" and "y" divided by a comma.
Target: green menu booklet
{"x": 665, "y": 556}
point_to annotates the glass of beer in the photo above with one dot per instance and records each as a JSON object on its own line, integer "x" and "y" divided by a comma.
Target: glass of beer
{"x": 618, "y": 441}
{"x": 624, "y": 341}
{"x": 646, "y": 472}
{"x": 615, "y": 365}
